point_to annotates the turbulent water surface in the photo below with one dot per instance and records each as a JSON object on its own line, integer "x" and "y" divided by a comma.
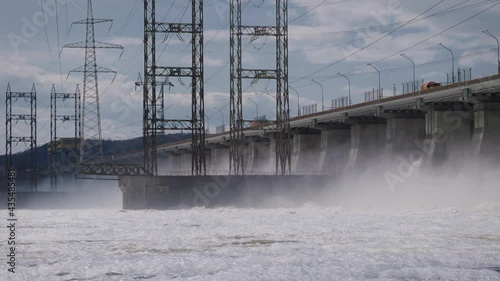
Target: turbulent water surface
{"x": 307, "y": 243}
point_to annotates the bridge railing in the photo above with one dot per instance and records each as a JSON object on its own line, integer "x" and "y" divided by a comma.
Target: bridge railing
{"x": 226, "y": 173}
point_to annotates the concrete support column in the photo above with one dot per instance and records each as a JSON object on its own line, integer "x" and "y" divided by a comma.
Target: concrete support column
{"x": 335, "y": 146}
{"x": 208, "y": 160}
{"x": 261, "y": 157}
{"x": 368, "y": 138}
{"x": 220, "y": 160}
{"x": 249, "y": 156}
{"x": 405, "y": 137}
{"x": 486, "y": 137}
{"x": 164, "y": 163}
{"x": 449, "y": 130}
{"x": 306, "y": 152}
{"x": 186, "y": 160}
{"x": 170, "y": 164}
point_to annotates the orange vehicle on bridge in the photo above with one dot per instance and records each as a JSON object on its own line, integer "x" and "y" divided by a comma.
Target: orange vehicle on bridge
{"x": 429, "y": 85}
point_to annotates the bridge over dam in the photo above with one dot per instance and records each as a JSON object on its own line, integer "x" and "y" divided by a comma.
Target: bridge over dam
{"x": 445, "y": 127}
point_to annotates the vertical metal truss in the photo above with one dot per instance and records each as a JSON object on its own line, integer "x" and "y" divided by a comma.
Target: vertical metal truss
{"x": 198, "y": 91}
{"x": 280, "y": 74}
{"x": 149, "y": 90}
{"x": 160, "y": 99}
{"x": 283, "y": 139}
{"x": 91, "y": 151}
{"x": 55, "y": 118}
{"x": 152, "y": 124}
{"x": 236, "y": 161}
{"x": 11, "y": 140}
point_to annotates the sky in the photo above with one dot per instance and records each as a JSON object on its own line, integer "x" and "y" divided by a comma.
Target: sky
{"x": 326, "y": 37}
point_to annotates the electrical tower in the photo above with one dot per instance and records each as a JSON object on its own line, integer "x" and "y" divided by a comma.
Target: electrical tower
{"x": 153, "y": 124}
{"x": 55, "y": 165}
{"x": 160, "y": 99}
{"x": 91, "y": 150}
{"x": 11, "y": 139}
{"x": 280, "y": 74}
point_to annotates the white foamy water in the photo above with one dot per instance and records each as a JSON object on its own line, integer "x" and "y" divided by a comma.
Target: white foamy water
{"x": 308, "y": 243}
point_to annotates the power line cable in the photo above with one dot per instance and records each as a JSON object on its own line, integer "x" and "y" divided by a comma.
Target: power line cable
{"x": 46, "y": 33}
{"x": 59, "y": 44}
{"x": 433, "y": 36}
{"x": 444, "y": 12}
{"x": 310, "y": 10}
{"x": 369, "y": 45}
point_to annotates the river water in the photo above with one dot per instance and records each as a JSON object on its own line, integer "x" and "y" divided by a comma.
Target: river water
{"x": 311, "y": 242}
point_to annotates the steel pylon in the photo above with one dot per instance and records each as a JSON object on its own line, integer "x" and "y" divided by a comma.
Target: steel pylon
{"x": 12, "y": 138}
{"x": 153, "y": 125}
{"x": 55, "y": 165}
{"x": 91, "y": 150}
{"x": 280, "y": 74}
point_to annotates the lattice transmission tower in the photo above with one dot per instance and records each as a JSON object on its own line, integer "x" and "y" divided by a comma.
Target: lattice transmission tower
{"x": 280, "y": 74}
{"x": 91, "y": 150}
{"x": 12, "y": 138}
{"x": 160, "y": 98}
{"x": 55, "y": 165}
{"x": 153, "y": 123}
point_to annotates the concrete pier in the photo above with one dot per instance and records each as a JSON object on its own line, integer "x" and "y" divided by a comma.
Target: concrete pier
{"x": 261, "y": 154}
{"x": 306, "y": 150}
{"x": 368, "y": 139}
{"x": 219, "y": 160}
{"x": 449, "y": 130}
{"x": 486, "y": 137}
{"x": 405, "y": 136}
{"x": 186, "y": 160}
{"x": 335, "y": 146}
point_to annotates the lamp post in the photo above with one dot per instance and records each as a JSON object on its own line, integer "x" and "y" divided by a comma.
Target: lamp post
{"x": 221, "y": 114}
{"x": 208, "y": 124}
{"x": 257, "y": 107}
{"x": 379, "y": 78}
{"x": 487, "y": 32}
{"x": 322, "y": 95}
{"x": 414, "y": 76}
{"x": 298, "y": 101}
{"x": 452, "y": 62}
{"x": 348, "y": 81}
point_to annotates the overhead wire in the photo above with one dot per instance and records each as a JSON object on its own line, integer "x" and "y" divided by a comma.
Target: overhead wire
{"x": 417, "y": 66}
{"x": 369, "y": 45}
{"x": 66, "y": 13}
{"x": 129, "y": 18}
{"x": 447, "y": 11}
{"x": 59, "y": 44}
{"x": 437, "y": 34}
{"x": 347, "y": 73}
{"x": 47, "y": 33}
{"x": 310, "y": 10}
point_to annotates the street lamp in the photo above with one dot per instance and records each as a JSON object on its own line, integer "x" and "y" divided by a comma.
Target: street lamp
{"x": 221, "y": 114}
{"x": 322, "y": 95}
{"x": 208, "y": 124}
{"x": 379, "y": 79}
{"x": 414, "y": 76}
{"x": 256, "y": 106}
{"x": 349, "y": 81}
{"x": 452, "y": 62}
{"x": 298, "y": 101}
{"x": 487, "y": 32}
